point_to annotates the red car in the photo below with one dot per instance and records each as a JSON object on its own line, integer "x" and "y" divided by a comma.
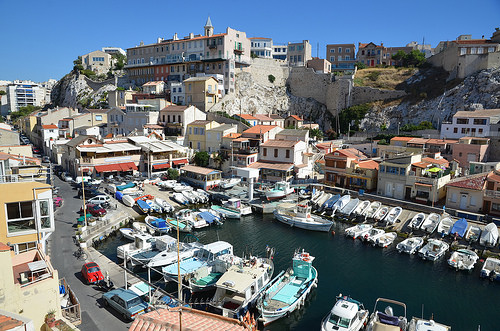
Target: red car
{"x": 94, "y": 210}
{"x": 91, "y": 273}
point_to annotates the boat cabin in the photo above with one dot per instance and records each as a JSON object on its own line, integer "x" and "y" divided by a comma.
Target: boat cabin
{"x": 302, "y": 265}
{"x": 233, "y": 203}
{"x": 344, "y": 313}
{"x": 212, "y": 251}
{"x": 303, "y": 210}
{"x": 143, "y": 241}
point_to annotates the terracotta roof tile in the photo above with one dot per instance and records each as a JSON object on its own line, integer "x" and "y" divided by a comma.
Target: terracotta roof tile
{"x": 199, "y": 122}
{"x": 368, "y": 164}
{"x": 402, "y": 138}
{"x": 422, "y": 165}
{"x": 9, "y": 323}
{"x": 279, "y": 143}
{"x": 263, "y": 117}
{"x": 232, "y": 135}
{"x": 296, "y": 117}
{"x": 260, "y": 129}
{"x": 271, "y": 165}
{"x": 49, "y": 126}
{"x": 246, "y": 116}
{"x": 474, "y": 182}
{"x": 443, "y": 161}
{"x": 493, "y": 176}
{"x": 174, "y": 108}
{"x": 4, "y": 247}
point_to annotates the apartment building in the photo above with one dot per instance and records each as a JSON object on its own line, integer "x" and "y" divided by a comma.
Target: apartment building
{"x": 342, "y": 57}
{"x": 178, "y": 93}
{"x": 477, "y": 123}
{"x": 119, "y": 98}
{"x": 131, "y": 119}
{"x": 491, "y": 199}
{"x": 197, "y": 131}
{"x": 97, "y": 61}
{"x": 215, "y": 135}
{"x": 471, "y": 149}
{"x": 176, "y": 118}
{"x": 202, "y": 92}
{"x": 336, "y": 164}
{"x": 154, "y": 87}
{"x": 280, "y": 52}
{"x": 293, "y": 121}
{"x": 392, "y": 175}
{"x": 321, "y": 66}
{"x": 299, "y": 53}
{"x": 22, "y": 94}
{"x": 261, "y": 47}
{"x": 41, "y": 118}
{"x": 362, "y": 175}
{"x": 373, "y": 55}
{"x": 260, "y": 134}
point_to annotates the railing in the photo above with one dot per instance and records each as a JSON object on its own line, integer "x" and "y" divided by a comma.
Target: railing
{"x": 492, "y": 194}
{"x": 23, "y": 178}
{"x": 71, "y": 312}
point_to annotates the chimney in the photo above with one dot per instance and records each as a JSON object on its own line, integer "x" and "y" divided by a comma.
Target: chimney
{"x": 158, "y": 40}
{"x": 191, "y": 35}
{"x": 175, "y": 36}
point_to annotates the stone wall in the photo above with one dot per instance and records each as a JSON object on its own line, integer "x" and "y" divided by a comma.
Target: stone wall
{"x": 305, "y": 82}
{"x": 364, "y": 94}
{"x": 222, "y": 119}
{"x": 260, "y": 70}
{"x": 97, "y": 85}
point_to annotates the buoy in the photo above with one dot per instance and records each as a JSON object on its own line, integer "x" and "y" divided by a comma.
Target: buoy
{"x": 333, "y": 233}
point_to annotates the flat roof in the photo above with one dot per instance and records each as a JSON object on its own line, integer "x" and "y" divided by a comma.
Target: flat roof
{"x": 199, "y": 170}
{"x": 107, "y": 148}
{"x": 280, "y": 143}
{"x": 239, "y": 278}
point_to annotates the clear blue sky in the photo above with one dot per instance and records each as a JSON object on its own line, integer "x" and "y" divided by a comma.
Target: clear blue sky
{"x": 40, "y": 39}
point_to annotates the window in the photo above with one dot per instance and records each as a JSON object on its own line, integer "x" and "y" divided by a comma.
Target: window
{"x": 480, "y": 130}
{"x": 347, "y": 57}
{"x": 347, "y": 50}
{"x": 198, "y": 145}
{"x": 190, "y": 131}
{"x": 382, "y": 168}
{"x": 463, "y": 51}
{"x": 455, "y": 130}
{"x": 275, "y": 152}
{"x": 480, "y": 50}
{"x": 179, "y": 118}
{"x": 480, "y": 121}
{"x": 340, "y": 49}
{"x": 264, "y": 152}
{"x": 189, "y": 87}
{"x": 332, "y": 50}
{"x": 491, "y": 49}
{"x": 98, "y": 117}
{"x": 332, "y": 58}
{"x": 340, "y": 57}
{"x": 202, "y": 131}
{"x": 464, "y": 130}
{"x": 168, "y": 118}
{"x": 20, "y": 216}
{"x": 287, "y": 154}
{"x": 195, "y": 130}
{"x": 460, "y": 154}
{"x": 473, "y": 50}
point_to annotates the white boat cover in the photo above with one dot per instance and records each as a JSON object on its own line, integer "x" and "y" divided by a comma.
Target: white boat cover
{"x": 489, "y": 236}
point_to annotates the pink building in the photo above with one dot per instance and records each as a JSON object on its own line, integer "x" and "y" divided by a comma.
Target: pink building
{"x": 471, "y": 149}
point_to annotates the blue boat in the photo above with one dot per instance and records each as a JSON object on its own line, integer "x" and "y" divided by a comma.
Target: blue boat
{"x": 330, "y": 202}
{"x": 118, "y": 195}
{"x": 459, "y": 228}
{"x": 143, "y": 206}
{"x": 157, "y": 224}
{"x": 209, "y": 217}
{"x": 123, "y": 187}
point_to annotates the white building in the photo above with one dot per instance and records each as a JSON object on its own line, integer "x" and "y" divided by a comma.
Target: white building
{"x": 214, "y": 136}
{"x": 131, "y": 120}
{"x": 279, "y": 52}
{"x": 478, "y": 123}
{"x": 176, "y": 118}
{"x": 50, "y": 133}
{"x": 261, "y": 47}
{"x": 114, "y": 50}
{"x": 177, "y": 93}
{"x": 24, "y": 93}
{"x": 283, "y": 151}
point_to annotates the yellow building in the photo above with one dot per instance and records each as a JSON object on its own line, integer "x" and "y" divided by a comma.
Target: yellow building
{"x": 28, "y": 124}
{"x": 26, "y": 214}
{"x": 202, "y": 92}
{"x": 197, "y": 132}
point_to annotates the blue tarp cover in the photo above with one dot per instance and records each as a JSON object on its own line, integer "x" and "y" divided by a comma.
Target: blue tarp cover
{"x": 118, "y": 195}
{"x": 122, "y": 187}
{"x": 459, "y": 227}
{"x": 208, "y": 217}
{"x": 143, "y": 205}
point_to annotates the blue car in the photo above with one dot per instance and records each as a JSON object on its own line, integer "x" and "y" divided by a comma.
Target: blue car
{"x": 126, "y": 302}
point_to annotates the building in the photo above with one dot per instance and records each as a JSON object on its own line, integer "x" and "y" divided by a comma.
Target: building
{"x": 293, "y": 121}
{"x": 466, "y": 193}
{"x": 293, "y": 135}
{"x": 202, "y": 92}
{"x": 132, "y": 119}
{"x": 204, "y": 178}
{"x": 197, "y": 133}
{"x": 375, "y": 55}
{"x": 252, "y": 120}
{"x": 479, "y": 167}
{"x": 392, "y": 174}
{"x": 342, "y": 57}
{"x": 260, "y": 134}
{"x": 261, "y": 47}
{"x": 215, "y": 135}
{"x": 280, "y": 52}
{"x": 120, "y": 97}
{"x": 264, "y": 119}
{"x": 23, "y": 94}
{"x": 278, "y": 120}
{"x": 50, "y": 133}
{"x": 321, "y": 66}
{"x": 471, "y": 149}
{"x": 491, "y": 198}
{"x": 49, "y": 117}
{"x": 299, "y": 53}
{"x": 477, "y": 123}
{"x": 362, "y": 175}
{"x": 154, "y": 87}
{"x": 114, "y": 50}
{"x": 8, "y": 137}
{"x": 88, "y": 118}
{"x": 178, "y": 93}
{"x": 287, "y": 151}
{"x": 97, "y": 61}
{"x": 336, "y": 164}
{"x": 176, "y": 118}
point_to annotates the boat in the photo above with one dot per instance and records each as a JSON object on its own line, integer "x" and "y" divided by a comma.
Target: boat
{"x": 289, "y": 290}
{"x": 444, "y": 226}
{"x": 322, "y": 201}
{"x": 235, "y": 205}
{"x": 188, "y": 216}
{"x": 143, "y": 206}
{"x": 431, "y": 223}
{"x": 205, "y": 278}
{"x": 167, "y": 184}
{"x": 203, "y": 256}
{"x": 229, "y": 183}
{"x": 386, "y": 320}
{"x": 128, "y": 200}
{"x": 209, "y": 216}
{"x": 143, "y": 257}
{"x": 154, "y": 207}
{"x": 381, "y": 214}
{"x": 280, "y": 190}
{"x": 473, "y": 233}
{"x": 330, "y": 202}
{"x": 392, "y": 215}
{"x": 128, "y": 233}
{"x": 433, "y": 250}
{"x": 179, "y": 187}
{"x": 190, "y": 196}
{"x": 419, "y": 324}
{"x": 362, "y": 207}
{"x": 372, "y": 210}
{"x": 180, "y": 198}
{"x": 416, "y": 221}
{"x": 240, "y": 287}
{"x": 463, "y": 259}
{"x": 227, "y": 212}
{"x": 316, "y": 196}
{"x": 349, "y": 207}
{"x": 167, "y": 208}
{"x": 346, "y": 315}
{"x": 141, "y": 242}
{"x": 202, "y": 198}
{"x": 201, "y": 192}
{"x": 372, "y": 235}
{"x": 304, "y": 194}
{"x": 491, "y": 269}
{"x": 358, "y": 231}
{"x": 156, "y": 224}
{"x": 125, "y": 186}
{"x": 386, "y": 239}
{"x": 489, "y": 236}
{"x": 341, "y": 203}
{"x": 300, "y": 216}
{"x": 410, "y": 245}
{"x": 169, "y": 255}
{"x": 183, "y": 224}
{"x": 140, "y": 227}
{"x": 459, "y": 227}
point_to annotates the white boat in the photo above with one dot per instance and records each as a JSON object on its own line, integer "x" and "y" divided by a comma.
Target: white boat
{"x": 201, "y": 197}
{"x": 128, "y": 200}
{"x": 473, "y": 233}
{"x": 167, "y": 208}
{"x": 410, "y": 245}
{"x": 289, "y": 290}
{"x": 201, "y": 192}
{"x": 141, "y": 242}
{"x": 316, "y": 197}
{"x": 143, "y": 257}
{"x": 236, "y": 205}
{"x": 328, "y": 205}
{"x": 372, "y": 235}
{"x": 341, "y": 203}
{"x": 392, "y": 215}
{"x": 491, "y": 269}
{"x": 346, "y": 315}
{"x": 349, "y": 207}
{"x": 463, "y": 259}
{"x": 362, "y": 207}
{"x": 358, "y": 231}
{"x": 416, "y": 221}
{"x": 300, "y": 216}
{"x": 322, "y": 200}
{"x": 381, "y": 214}
{"x": 156, "y": 224}
{"x": 372, "y": 210}
{"x": 180, "y": 198}
{"x": 153, "y": 206}
{"x": 419, "y": 324}
{"x": 229, "y": 183}
{"x": 128, "y": 233}
{"x": 140, "y": 227}
{"x": 445, "y": 225}
{"x": 167, "y": 184}
{"x": 188, "y": 216}
{"x": 386, "y": 239}
{"x": 168, "y": 255}
{"x": 433, "y": 250}
{"x": 489, "y": 236}
{"x": 205, "y": 278}
{"x": 386, "y": 320}
{"x": 179, "y": 187}
{"x": 280, "y": 190}
{"x": 431, "y": 223}
{"x": 190, "y": 196}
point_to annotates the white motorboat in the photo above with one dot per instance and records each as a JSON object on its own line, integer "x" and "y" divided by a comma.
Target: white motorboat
{"x": 300, "y": 216}
{"x": 188, "y": 216}
{"x": 143, "y": 257}
{"x": 140, "y": 227}
{"x": 416, "y": 221}
{"x": 128, "y": 233}
{"x": 473, "y": 233}
{"x": 167, "y": 184}
{"x": 346, "y": 315}
{"x": 392, "y": 215}
{"x": 280, "y": 190}
{"x": 168, "y": 255}
{"x": 386, "y": 239}
{"x": 328, "y": 205}
{"x": 128, "y": 200}
{"x": 372, "y": 210}
{"x": 372, "y": 235}
{"x": 204, "y": 193}
{"x": 200, "y": 197}
{"x": 349, "y": 207}
{"x": 431, "y": 223}
{"x": 491, "y": 269}
{"x": 156, "y": 224}
{"x": 433, "y": 250}
{"x": 229, "y": 183}
{"x": 410, "y": 245}
{"x": 190, "y": 196}
{"x": 237, "y": 205}
{"x": 167, "y": 208}
{"x": 179, "y": 187}
{"x": 321, "y": 203}
{"x": 316, "y": 197}
{"x": 141, "y": 242}
{"x": 362, "y": 207}
{"x": 381, "y": 214}
{"x": 358, "y": 231}
{"x": 463, "y": 259}
{"x": 419, "y": 324}
{"x": 205, "y": 278}
{"x": 445, "y": 225}
{"x": 341, "y": 203}
{"x": 180, "y": 198}
{"x": 489, "y": 236}
{"x": 386, "y": 320}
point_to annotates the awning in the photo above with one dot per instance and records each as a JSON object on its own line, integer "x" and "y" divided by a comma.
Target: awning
{"x": 435, "y": 169}
{"x": 183, "y": 161}
{"x": 128, "y": 166}
{"x": 161, "y": 166}
{"x": 422, "y": 184}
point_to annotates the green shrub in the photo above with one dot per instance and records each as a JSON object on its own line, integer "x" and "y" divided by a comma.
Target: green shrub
{"x": 271, "y": 78}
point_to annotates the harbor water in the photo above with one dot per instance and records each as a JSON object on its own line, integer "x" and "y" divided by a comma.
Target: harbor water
{"x": 460, "y": 299}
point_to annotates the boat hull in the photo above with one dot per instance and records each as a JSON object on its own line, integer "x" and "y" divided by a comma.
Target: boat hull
{"x": 325, "y": 227}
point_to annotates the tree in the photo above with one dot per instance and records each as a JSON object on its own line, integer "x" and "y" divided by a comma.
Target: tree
{"x": 399, "y": 57}
{"x": 23, "y": 111}
{"x": 78, "y": 64}
{"x": 271, "y": 78}
{"x": 120, "y": 60}
{"x": 219, "y": 159}
{"x": 415, "y": 58}
{"x": 201, "y": 159}
{"x": 3, "y": 93}
{"x": 360, "y": 65}
{"x": 172, "y": 173}
{"x": 352, "y": 116}
{"x": 316, "y": 133}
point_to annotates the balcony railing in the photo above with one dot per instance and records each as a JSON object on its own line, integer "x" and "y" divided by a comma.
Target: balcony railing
{"x": 492, "y": 194}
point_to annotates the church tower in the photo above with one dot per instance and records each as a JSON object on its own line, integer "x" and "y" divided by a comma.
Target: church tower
{"x": 209, "y": 29}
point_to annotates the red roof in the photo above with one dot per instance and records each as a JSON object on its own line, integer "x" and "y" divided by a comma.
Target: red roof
{"x": 263, "y": 117}
{"x": 474, "y": 182}
{"x": 232, "y": 135}
{"x": 4, "y": 247}
{"x": 474, "y": 41}
{"x": 246, "y": 117}
{"x": 296, "y": 117}
{"x": 260, "y": 129}
{"x": 493, "y": 176}
{"x": 49, "y": 126}
{"x": 348, "y": 152}
{"x": 9, "y": 323}
{"x": 368, "y": 164}
{"x": 183, "y": 161}
{"x": 443, "y": 161}
{"x": 127, "y": 166}
{"x": 402, "y": 138}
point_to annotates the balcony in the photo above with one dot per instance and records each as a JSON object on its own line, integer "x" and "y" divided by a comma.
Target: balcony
{"x": 211, "y": 92}
{"x": 492, "y": 194}
{"x": 239, "y": 50}
{"x": 212, "y": 46}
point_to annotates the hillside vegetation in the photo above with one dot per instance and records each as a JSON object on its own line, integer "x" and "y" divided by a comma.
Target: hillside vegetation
{"x": 384, "y": 78}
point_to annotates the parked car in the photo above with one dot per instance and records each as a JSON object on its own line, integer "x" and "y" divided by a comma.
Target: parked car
{"x": 45, "y": 159}
{"x": 94, "y": 210}
{"x": 91, "y": 273}
{"x": 36, "y": 150}
{"x": 66, "y": 177}
{"x": 100, "y": 199}
{"x": 126, "y": 302}
{"x": 89, "y": 192}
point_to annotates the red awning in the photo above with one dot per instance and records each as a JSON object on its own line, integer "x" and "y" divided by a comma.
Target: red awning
{"x": 128, "y": 166}
{"x": 161, "y": 166}
{"x": 183, "y": 161}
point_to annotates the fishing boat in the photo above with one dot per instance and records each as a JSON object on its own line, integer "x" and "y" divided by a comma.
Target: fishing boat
{"x": 300, "y": 216}
{"x": 280, "y": 190}
{"x": 416, "y": 221}
{"x": 358, "y": 231}
{"x": 372, "y": 210}
{"x": 236, "y": 205}
{"x": 386, "y": 239}
{"x": 182, "y": 224}
{"x": 459, "y": 227}
{"x": 156, "y": 224}
{"x": 288, "y": 291}
{"x": 419, "y": 324}
{"x": 346, "y": 315}
{"x": 386, "y": 320}
{"x": 205, "y": 278}
{"x": 392, "y": 215}
{"x": 144, "y": 256}
{"x": 180, "y": 198}
{"x": 433, "y": 250}
{"x": 473, "y": 233}
{"x": 341, "y": 203}
{"x": 362, "y": 207}
{"x": 349, "y": 207}
{"x": 410, "y": 245}
{"x": 143, "y": 206}
{"x": 431, "y": 223}
{"x": 141, "y": 242}
{"x": 463, "y": 259}
{"x": 128, "y": 200}
{"x": 381, "y": 214}
{"x": 128, "y": 233}
{"x": 372, "y": 235}
{"x": 444, "y": 226}
{"x": 168, "y": 255}
{"x": 188, "y": 216}
{"x": 489, "y": 236}
{"x": 229, "y": 183}
{"x": 491, "y": 269}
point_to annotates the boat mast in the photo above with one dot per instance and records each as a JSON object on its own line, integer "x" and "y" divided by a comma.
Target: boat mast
{"x": 179, "y": 279}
